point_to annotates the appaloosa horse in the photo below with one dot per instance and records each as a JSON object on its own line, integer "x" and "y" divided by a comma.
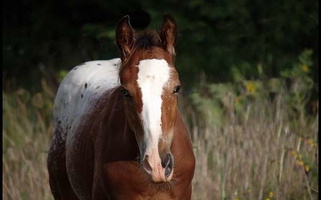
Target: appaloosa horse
{"x": 118, "y": 133}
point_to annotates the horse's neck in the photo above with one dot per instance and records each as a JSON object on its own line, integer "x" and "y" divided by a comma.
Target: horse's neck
{"x": 115, "y": 136}
{"x": 181, "y": 142}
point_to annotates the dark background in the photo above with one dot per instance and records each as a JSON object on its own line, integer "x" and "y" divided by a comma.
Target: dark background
{"x": 43, "y": 38}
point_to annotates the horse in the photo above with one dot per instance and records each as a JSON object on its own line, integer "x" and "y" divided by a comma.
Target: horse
{"x": 118, "y": 133}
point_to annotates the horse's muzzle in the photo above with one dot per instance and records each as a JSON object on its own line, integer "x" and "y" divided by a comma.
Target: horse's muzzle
{"x": 160, "y": 169}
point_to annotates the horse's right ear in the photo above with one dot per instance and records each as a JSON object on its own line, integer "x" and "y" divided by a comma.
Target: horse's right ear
{"x": 168, "y": 34}
{"x": 124, "y": 37}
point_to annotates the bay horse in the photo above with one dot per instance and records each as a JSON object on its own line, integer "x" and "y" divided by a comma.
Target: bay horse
{"x": 118, "y": 133}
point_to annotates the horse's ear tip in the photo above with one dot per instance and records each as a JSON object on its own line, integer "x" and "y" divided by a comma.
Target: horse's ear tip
{"x": 123, "y": 22}
{"x": 169, "y": 17}
{"x": 125, "y": 18}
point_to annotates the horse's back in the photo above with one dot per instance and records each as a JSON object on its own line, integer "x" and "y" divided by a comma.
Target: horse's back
{"x": 81, "y": 88}
{"x": 77, "y": 95}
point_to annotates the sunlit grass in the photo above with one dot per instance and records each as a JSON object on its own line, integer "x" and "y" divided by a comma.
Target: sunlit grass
{"x": 261, "y": 149}
{"x": 26, "y": 133}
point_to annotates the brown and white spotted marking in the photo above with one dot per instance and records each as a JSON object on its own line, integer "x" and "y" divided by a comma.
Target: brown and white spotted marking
{"x": 118, "y": 133}
{"x": 80, "y": 90}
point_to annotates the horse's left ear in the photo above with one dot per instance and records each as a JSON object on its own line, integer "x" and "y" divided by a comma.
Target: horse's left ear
{"x": 168, "y": 34}
{"x": 124, "y": 37}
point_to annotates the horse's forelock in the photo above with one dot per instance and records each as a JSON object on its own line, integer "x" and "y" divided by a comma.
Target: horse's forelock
{"x": 147, "y": 39}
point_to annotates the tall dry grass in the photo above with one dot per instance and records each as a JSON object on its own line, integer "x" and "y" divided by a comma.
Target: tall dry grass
{"x": 263, "y": 152}
{"x": 268, "y": 151}
{"x": 26, "y": 132}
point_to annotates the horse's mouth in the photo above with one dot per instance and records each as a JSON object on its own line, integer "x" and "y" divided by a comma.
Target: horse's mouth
{"x": 158, "y": 172}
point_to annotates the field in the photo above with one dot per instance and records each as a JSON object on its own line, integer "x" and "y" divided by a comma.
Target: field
{"x": 252, "y": 140}
{"x": 249, "y": 72}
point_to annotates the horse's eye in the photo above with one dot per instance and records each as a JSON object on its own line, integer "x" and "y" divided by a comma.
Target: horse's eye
{"x": 125, "y": 92}
{"x": 176, "y": 90}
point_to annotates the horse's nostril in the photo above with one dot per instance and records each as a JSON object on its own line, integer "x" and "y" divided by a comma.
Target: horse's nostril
{"x": 146, "y": 165}
{"x": 168, "y": 165}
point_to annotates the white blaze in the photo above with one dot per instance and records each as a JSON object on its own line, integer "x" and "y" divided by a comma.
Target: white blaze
{"x": 153, "y": 74}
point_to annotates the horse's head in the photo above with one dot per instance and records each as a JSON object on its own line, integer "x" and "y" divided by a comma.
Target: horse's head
{"x": 150, "y": 84}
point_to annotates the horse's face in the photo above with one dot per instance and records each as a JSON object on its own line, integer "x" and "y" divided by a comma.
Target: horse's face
{"x": 150, "y": 84}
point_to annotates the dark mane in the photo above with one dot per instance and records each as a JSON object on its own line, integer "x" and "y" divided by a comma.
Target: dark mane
{"x": 147, "y": 39}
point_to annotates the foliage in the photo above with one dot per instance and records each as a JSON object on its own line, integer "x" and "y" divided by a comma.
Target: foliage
{"x": 211, "y": 100}
{"x": 255, "y": 139}
{"x": 215, "y": 37}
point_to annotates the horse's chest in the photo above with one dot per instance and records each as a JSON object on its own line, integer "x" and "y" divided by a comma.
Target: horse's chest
{"x": 126, "y": 180}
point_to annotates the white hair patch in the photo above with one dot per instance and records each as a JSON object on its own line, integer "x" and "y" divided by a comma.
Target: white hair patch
{"x": 81, "y": 88}
{"x": 153, "y": 75}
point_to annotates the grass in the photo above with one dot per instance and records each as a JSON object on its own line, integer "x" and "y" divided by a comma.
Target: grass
{"x": 259, "y": 155}
{"x": 26, "y": 133}
{"x": 260, "y": 149}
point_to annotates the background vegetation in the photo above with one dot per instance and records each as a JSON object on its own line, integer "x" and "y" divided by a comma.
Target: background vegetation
{"x": 250, "y": 88}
